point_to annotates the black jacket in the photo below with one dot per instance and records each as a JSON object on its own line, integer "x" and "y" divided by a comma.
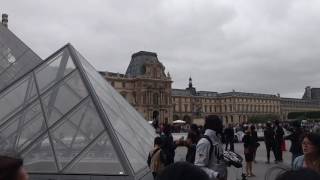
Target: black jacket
{"x": 296, "y": 141}
{"x": 279, "y": 134}
{"x": 229, "y": 133}
{"x": 269, "y": 136}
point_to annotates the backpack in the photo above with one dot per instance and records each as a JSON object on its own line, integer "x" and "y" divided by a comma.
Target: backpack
{"x": 212, "y": 148}
{"x": 163, "y": 157}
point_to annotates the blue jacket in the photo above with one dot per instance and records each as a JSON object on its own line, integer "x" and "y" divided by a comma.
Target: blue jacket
{"x": 298, "y": 163}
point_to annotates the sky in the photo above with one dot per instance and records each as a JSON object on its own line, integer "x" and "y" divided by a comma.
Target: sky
{"x": 260, "y": 46}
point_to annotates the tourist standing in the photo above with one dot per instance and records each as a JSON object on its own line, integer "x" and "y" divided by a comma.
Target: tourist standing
{"x": 156, "y": 158}
{"x": 229, "y": 137}
{"x": 269, "y": 139}
{"x": 296, "y": 140}
{"x": 168, "y": 146}
{"x": 279, "y": 133}
{"x": 249, "y": 148}
{"x": 209, "y": 151}
{"x": 255, "y": 141}
{"x": 195, "y": 130}
{"x": 311, "y": 153}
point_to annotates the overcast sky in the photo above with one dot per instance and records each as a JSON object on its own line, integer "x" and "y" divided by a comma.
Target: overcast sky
{"x": 263, "y": 46}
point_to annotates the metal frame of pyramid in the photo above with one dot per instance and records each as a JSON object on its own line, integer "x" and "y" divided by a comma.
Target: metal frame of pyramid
{"x": 66, "y": 121}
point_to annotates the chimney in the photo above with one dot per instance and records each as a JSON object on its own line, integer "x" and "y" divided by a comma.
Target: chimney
{"x": 5, "y": 20}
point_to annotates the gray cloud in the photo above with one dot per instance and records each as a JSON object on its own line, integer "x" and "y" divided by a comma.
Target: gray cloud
{"x": 266, "y": 46}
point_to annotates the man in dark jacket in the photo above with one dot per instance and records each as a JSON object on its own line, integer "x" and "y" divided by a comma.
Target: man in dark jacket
{"x": 269, "y": 141}
{"x": 279, "y": 133}
{"x": 295, "y": 139}
{"x": 229, "y": 135}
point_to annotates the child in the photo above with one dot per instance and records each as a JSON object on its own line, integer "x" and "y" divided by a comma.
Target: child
{"x": 156, "y": 158}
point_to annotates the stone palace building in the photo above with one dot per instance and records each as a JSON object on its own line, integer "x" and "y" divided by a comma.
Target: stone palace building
{"x": 148, "y": 88}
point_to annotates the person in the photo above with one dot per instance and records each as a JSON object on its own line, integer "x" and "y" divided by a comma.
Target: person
{"x": 311, "y": 153}
{"x": 182, "y": 171}
{"x": 279, "y": 133}
{"x": 191, "y": 144}
{"x": 155, "y": 123}
{"x": 209, "y": 150}
{"x": 168, "y": 145}
{"x": 255, "y": 141}
{"x": 269, "y": 141}
{"x": 195, "y": 130}
{"x": 305, "y": 174}
{"x": 249, "y": 147}
{"x": 156, "y": 158}
{"x": 229, "y": 135}
{"x": 295, "y": 138}
{"x": 11, "y": 168}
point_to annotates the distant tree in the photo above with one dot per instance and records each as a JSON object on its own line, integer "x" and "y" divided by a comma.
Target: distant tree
{"x": 304, "y": 115}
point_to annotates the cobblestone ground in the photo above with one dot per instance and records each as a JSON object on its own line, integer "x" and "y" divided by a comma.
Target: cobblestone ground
{"x": 259, "y": 169}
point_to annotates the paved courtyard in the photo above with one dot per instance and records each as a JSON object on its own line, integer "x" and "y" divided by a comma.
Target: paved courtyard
{"x": 259, "y": 169}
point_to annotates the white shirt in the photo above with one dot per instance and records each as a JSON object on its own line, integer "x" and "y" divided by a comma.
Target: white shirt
{"x": 203, "y": 151}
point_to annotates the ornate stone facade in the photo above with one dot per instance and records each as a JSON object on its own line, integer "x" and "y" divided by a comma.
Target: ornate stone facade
{"x": 146, "y": 86}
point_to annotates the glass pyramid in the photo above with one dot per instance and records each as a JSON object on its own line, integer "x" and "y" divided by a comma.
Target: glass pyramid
{"x": 65, "y": 119}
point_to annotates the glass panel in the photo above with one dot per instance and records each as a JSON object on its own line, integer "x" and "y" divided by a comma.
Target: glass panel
{"x": 4, "y": 63}
{"x": 54, "y": 70}
{"x": 75, "y": 132}
{"x": 40, "y": 157}
{"x": 18, "y": 58}
{"x": 100, "y": 158}
{"x": 12, "y": 45}
{"x": 136, "y": 136}
{"x": 19, "y": 68}
{"x": 26, "y": 126}
{"x": 123, "y": 121}
{"x": 123, "y": 129}
{"x": 134, "y": 122}
{"x": 136, "y": 160}
{"x": 103, "y": 88}
{"x": 116, "y": 117}
{"x": 60, "y": 99}
{"x": 16, "y": 97}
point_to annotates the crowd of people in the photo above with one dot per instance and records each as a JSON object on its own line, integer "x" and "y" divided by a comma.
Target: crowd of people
{"x": 205, "y": 148}
{"x": 205, "y": 153}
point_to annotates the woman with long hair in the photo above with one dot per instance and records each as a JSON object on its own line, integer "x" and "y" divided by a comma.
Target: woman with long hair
{"x": 311, "y": 153}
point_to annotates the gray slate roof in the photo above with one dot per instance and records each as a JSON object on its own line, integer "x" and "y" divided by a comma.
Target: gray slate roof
{"x": 138, "y": 60}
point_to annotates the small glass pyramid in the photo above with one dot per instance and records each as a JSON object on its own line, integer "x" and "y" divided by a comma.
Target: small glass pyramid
{"x": 65, "y": 120}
